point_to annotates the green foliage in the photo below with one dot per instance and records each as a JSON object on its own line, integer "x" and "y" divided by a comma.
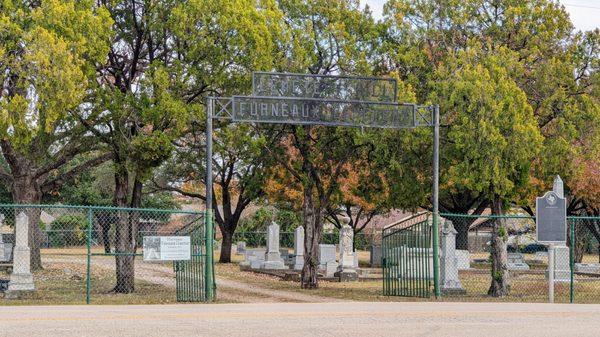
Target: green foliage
{"x": 489, "y": 115}
{"x": 49, "y": 49}
{"x": 258, "y": 222}
{"x": 68, "y": 230}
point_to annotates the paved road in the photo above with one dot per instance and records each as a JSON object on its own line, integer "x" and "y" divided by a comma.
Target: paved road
{"x": 305, "y": 319}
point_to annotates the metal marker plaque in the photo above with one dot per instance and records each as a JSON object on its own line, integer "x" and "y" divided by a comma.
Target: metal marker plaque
{"x": 290, "y": 110}
{"x": 166, "y": 248}
{"x": 351, "y": 88}
{"x": 551, "y": 218}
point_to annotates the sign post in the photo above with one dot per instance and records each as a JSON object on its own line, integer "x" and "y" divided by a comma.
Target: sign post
{"x": 551, "y": 227}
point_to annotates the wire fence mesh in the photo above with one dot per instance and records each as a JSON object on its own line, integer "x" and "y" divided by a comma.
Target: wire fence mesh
{"x": 576, "y": 264}
{"x": 96, "y": 254}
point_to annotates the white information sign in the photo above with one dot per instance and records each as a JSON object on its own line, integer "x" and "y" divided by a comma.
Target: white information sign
{"x": 166, "y": 248}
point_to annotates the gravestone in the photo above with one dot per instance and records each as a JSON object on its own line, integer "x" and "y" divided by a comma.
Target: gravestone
{"x": 298, "y": 260}
{"x": 449, "y": 267}
{"x": 331, "y": 268}
{"x": 412, "y": 262}
{"x": 253, "y": 258}
{"x": 591, "y": 268}
{"x": 326, "y": 254}
{"x": 21, "y": 278}
{"x": 562, "y": 265}
{"x": 463, "y": 259}
{"x": 516, "y": 262}
{"x": 375, "y": 258}
{"x": 240, "y": 248}
{"x": 273, "y": 258}
{"x": 346, "y": 269}
{"x": 540, "y": 257}
{"x": 5, "y": 248}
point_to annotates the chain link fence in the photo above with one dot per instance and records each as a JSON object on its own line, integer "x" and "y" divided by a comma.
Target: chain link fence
{"x": 468, "y": 278}
{"x": 96, "y": 254}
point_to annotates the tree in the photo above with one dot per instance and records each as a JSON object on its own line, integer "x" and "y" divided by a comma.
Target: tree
{"x": 164, "y": 57}
{"x": 327, "y": 37}
{"x": 489, "y": 115}
{"x": 228, "y": 41}
{"x": 363, "y": 193}
{"x": 422, "y": 35}
{"x": 48, "y": 51}
{"x": 240, "y": 172}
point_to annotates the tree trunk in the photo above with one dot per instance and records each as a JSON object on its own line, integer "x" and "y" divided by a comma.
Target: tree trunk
{"x": 105, "y": 223}
{"x": 226, "y": 245}
{"x": 313, "y": 228}
{"x": 124, "y": 259}
{"x": 500, "y": 278}
{"x": 26, "y": 190}
{"x": 462, "y": 236}
{"x": 581, "y": 241}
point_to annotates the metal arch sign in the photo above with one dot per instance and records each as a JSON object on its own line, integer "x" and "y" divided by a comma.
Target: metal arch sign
{"x": 329, "y": 112}
{"x": 329, "y": 87}
{"x": 329, "y": 100}
{"x": 551, "y": 218}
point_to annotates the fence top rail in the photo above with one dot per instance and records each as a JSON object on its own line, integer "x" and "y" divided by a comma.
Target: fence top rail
{"x": 490, "y": 216}
{"x": 402, "y": 222}
{"x": 102, "y": 208}
{"x": 582, "y": 217}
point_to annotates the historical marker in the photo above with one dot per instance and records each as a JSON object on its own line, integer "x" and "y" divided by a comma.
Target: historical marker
{"x": 551, "y": 216}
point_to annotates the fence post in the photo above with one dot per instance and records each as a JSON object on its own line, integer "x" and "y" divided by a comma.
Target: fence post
{"x": 209, "y": 272}
{"x": 89, "y": 257}
{"x": 572, "y": 260}
{"x": 436, "y": 177}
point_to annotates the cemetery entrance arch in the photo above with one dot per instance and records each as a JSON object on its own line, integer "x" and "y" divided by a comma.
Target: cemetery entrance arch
{"x": 329, "y": 100}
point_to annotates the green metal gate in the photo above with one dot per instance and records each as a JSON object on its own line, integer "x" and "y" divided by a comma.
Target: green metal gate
{"x": 407, "y": 257}
{"x": 189, "y": 275}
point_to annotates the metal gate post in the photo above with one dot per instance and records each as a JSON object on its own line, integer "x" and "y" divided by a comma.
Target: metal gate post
{"x": 436, "y": 180}
{"x": 208, "y": 266}
{"x": 572, "y": 260}
{"x": 88, "y": 276}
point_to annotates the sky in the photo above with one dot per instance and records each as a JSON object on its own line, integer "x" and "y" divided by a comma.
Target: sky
{"x": 585, "y": 14}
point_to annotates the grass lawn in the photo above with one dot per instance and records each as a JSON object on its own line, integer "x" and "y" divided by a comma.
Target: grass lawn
{"x": 65, "y": 283}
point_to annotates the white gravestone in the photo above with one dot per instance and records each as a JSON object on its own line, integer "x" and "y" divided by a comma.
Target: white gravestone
{"x": 516, "y": 262}
{"x": 241, "y": 247}
{"x": 411, "y": 262}
{"x": 375, "y": 256}
{"x": 273, "y": 258}
{"x": 326, "y": 254}
{"x": 21, "y": 278}
{"x": 562, "y": 265}
{"x": 254, "y": 256}
{"x": 5, "y": 248}
{"x": 298, "y": 260}
{"x": 463, "y": 259}
{"x": 346, "y": 268}
{"x": 331, "y": 268}
{"x": 449, "y": 266}
{"x": 591, "y": 268}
